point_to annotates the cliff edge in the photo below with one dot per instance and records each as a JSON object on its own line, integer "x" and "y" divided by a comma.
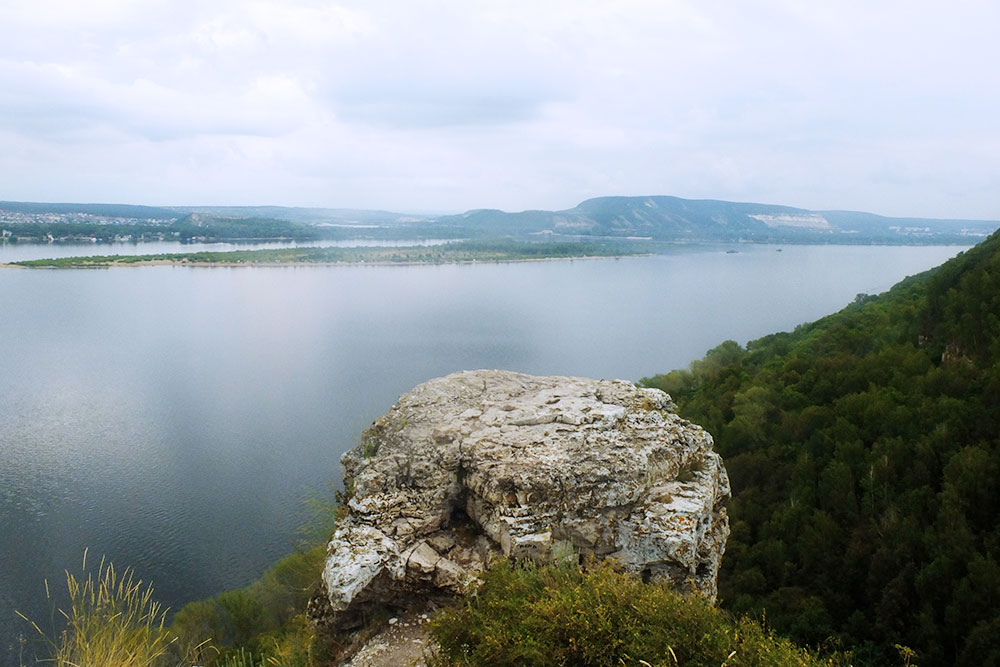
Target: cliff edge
{"x": 481, "y": 465}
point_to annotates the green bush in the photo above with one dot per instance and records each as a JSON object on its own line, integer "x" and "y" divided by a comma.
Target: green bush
{"x": 264, "y": 622}
{"x": 553, "y": 615}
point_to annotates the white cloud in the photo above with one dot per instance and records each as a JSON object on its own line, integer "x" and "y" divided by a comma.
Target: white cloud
{"x": 445, "y": 104}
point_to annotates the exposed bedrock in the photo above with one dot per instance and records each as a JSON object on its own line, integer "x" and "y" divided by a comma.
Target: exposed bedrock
{"x": 486, "y": 464}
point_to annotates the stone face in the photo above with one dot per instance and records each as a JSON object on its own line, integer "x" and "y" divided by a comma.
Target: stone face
{"x": 486, "y": 464}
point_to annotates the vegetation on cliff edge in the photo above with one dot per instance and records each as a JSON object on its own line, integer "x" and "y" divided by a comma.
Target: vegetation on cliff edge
{"x": 597, "y": 615}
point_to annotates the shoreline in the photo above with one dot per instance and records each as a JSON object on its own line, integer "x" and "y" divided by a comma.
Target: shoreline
{"x": 288, "y": 264}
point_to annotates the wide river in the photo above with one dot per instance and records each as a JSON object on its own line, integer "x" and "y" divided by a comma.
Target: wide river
{"x": 175, "y": 419}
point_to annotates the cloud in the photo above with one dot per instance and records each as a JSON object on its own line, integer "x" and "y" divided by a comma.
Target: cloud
{"x": 443, "y": 104}
{"x": 74, "y": 100}
{"x": 423, "y": 67}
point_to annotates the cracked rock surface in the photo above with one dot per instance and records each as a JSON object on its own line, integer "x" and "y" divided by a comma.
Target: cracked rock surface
{"x": 480, "y": 465}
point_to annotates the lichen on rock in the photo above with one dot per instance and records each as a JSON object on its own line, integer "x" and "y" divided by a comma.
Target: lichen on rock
{"x": 481, "y": 465}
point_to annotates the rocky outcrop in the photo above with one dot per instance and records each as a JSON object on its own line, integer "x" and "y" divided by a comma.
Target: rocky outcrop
{"x": 486, "y": 464}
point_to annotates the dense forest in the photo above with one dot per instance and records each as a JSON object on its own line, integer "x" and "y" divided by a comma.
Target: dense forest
{"x": 864, "y": 452}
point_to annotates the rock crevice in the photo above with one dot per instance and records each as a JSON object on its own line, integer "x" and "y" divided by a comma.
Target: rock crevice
{"x": 486, "y": 464}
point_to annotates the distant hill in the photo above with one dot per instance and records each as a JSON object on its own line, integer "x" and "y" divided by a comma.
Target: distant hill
{"x": 312, "y": 216}
{"x": 864, "y": 453}
{"x": 213, "y": 228}
{"x": 99, "y": 210}
{"x": 674, "y": 219}
{"x": 657, "y": 218}
{"x": 40, "y": 222}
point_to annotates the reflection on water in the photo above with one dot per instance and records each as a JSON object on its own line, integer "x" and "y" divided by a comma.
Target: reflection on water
{"x": 175, "y": 418}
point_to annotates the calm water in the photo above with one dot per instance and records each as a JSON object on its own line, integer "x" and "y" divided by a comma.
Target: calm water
{"x": 176, "y": 418}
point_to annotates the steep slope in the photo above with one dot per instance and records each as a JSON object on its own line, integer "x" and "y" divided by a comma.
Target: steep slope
{"x": 865, "y": 462}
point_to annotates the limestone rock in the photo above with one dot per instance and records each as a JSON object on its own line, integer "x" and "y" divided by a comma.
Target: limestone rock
{"x": 486, "y": 464}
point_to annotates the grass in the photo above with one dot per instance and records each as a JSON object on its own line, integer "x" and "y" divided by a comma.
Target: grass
{"x": 112, "y": 621}
{"x": 561, "y": 614}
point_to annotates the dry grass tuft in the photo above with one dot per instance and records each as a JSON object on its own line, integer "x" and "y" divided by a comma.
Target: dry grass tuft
{"x": 112, "y": 621}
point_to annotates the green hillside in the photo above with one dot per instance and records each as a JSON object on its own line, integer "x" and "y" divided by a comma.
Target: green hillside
{"x": 865, "y": 461}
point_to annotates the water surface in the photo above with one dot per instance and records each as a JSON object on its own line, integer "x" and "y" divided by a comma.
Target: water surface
{"x": 175, "y": 418}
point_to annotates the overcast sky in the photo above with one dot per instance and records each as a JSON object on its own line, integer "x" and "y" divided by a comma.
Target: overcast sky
{"x": 891, "y": 107}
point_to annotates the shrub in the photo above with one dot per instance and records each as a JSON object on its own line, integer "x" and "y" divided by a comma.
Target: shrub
{"x": 263, "y": 623}
{"x": 599, "y": 615}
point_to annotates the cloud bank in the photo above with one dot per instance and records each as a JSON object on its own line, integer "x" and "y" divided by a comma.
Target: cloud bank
{"x": 448, "y": 105}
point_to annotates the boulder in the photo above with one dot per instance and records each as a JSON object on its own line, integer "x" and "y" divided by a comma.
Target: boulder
{"x": 481, "y": 465}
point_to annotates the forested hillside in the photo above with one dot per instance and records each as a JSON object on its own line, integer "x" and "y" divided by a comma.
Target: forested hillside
{"x": 865, "y": 460}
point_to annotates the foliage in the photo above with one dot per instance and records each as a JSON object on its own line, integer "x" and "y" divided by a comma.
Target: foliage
{"x": 263, "y": 623}
{"x": 565, "y": 615}
{"x": 211, "y": 228}
{"x": 112, "y": 621}
{"x": 865, "y": 462}
{"x": 87, "y": 231}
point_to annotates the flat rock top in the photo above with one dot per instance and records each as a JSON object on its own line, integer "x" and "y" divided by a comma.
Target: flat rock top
{"x": 500, "y": 425}
{"x": 492, "y": 398}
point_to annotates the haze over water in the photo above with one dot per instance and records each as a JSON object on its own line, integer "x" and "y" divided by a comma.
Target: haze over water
{"x": 175, "y": 419}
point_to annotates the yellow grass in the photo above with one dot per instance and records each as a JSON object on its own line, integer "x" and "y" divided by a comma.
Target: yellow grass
{"x": 112, "y": 621}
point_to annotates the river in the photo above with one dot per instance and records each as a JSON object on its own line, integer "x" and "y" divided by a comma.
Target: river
{"x": 175, "y": 419}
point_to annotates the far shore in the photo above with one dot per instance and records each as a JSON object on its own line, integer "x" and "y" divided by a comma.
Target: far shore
{"x": 464, "y": 252}
{"x": 203, "y": 264}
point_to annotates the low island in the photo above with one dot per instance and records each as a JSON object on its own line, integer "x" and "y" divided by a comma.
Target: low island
{"x": 459, "y": 252}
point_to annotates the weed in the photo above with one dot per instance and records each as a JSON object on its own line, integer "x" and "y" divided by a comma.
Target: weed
{"x": 112, "y": 621}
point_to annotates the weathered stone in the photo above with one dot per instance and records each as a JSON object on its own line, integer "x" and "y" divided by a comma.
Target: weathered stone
{"x": 442, "y": 543}
{"x": 423, "y": 559}
{"x": 481, "y": 464}
{"x": 449, "y": 574}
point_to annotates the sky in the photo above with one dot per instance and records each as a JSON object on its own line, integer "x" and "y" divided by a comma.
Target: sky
{"x": 421, "y": 106}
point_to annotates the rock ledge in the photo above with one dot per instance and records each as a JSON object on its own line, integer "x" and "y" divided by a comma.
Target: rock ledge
{"x": 486, "y": 464}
